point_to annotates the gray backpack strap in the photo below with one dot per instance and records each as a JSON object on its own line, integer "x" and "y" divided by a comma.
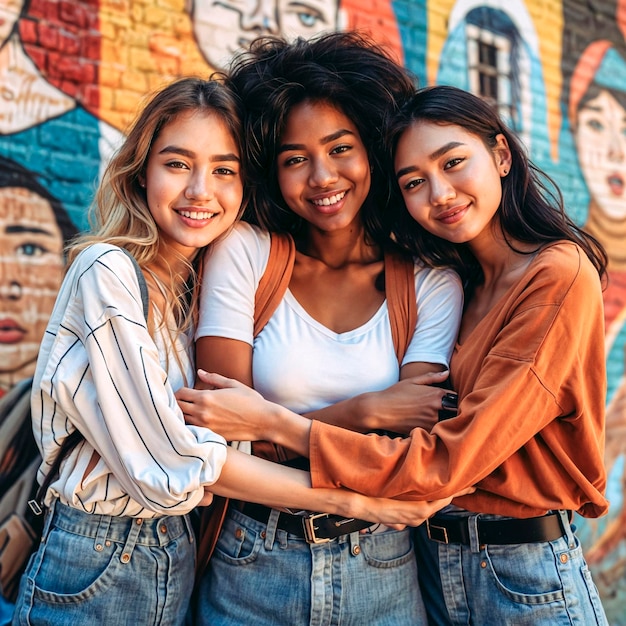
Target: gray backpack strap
{"x": 143, "y": 287}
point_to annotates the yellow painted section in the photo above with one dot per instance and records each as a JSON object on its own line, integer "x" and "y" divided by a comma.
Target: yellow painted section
{"x": 437, "y": 13}
{"x": 547, "y": 18}
{"x": 147, "y": 39}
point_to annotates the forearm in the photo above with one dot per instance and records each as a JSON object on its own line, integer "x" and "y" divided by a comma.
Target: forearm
{"x": 250, "y": 479}
{"x": 288, "y": 429}
{"x": 355, "y": 414}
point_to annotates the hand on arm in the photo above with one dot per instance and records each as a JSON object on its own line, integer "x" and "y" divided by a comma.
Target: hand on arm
{"x": 412, "y": 402}
{"x": 237, "y": 412}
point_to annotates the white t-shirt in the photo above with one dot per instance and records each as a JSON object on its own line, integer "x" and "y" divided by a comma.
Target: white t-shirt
{"x": 100, "y": 371}
{"x": 298, "y": 362}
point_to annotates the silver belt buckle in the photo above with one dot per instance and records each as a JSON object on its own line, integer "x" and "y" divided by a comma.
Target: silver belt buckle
{"x": 310, "y": 528}
{"x": 437, "y": 533}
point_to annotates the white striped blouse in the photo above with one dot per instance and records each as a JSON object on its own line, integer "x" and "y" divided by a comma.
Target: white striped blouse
{"x": 99, "y": 370}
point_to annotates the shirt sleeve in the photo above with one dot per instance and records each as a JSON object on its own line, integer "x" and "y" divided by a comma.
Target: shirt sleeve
{"x": 439, "y": 307}
{"x": 521, "y": 397}
{"x": 232, "y": 270}
{"x": 119, "y": 395}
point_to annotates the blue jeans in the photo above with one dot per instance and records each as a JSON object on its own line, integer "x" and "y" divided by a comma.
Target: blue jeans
{"x": 100, "y": 569}
{"x": 533, "y": 584}
{"x": 263, "y": 576}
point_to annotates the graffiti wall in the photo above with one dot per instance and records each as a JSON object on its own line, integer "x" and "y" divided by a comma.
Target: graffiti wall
{"x": 73, "y": 73}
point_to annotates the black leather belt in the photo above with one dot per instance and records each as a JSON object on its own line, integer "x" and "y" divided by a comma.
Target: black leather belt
{"x": 454, "y": 529}
{"x": 314, "y": 528}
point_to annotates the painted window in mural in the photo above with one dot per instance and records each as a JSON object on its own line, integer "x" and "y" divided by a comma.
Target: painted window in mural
{"x": 488, "y": 64}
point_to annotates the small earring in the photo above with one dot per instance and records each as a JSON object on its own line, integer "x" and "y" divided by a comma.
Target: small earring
{"x": 505, "y": 172}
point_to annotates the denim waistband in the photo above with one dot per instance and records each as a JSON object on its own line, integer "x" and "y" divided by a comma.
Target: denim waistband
{"x": 155, "y": 531}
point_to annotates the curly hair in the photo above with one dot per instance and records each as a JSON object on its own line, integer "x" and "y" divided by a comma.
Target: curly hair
{"x": 344, "y": 69}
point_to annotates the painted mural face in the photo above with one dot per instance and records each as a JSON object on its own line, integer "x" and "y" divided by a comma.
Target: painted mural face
{"x": 10, "y": 11}
{"x": 601, "y": 146}
{"x": 31, "y": 270}
{"x": 222, "y": 27}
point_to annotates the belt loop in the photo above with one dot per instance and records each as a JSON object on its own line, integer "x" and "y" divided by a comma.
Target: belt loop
{"x": 136, "y": 524}
{"x": 567, "y": 528}
{"x": 48, "y": 519}
{"x": 472, "y": 527}
{"x": 101, "y": 534}
{"x": 189, "y": 527}
{"x": 270, "y": 530}
{"x": 355, "y": 547}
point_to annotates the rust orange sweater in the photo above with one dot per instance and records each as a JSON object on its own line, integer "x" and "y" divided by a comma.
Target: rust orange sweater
{"x": 529, "y": 433}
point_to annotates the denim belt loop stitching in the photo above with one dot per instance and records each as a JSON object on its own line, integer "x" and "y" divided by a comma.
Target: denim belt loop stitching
{"x": 47, "y": 524}
{"x": 136, "y": 525}
{"x": 190, "y": 533}
{"x": 567, "y": 528}
{"x": 102, "y": 533}
{"x": 354, "y": 538}
{"x": 271, "y": 529}
{"x": 472, "y": 526}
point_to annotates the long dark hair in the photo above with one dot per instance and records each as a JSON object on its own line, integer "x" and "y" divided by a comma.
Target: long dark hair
{"x": 531, "y": 210}
{"x": 344, "y": 69}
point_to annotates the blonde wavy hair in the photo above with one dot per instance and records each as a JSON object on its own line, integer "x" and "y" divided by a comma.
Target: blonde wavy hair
{"x": 120, "y": 214}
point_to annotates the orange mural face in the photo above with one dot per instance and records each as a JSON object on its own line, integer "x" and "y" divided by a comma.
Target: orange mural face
{"x": 223, "y": 27}
{"x": 31, "y": 270}
{"x": 601, "y": 146}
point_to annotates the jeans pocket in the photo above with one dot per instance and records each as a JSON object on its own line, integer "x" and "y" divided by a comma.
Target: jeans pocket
{"x": 525, "y": 573}
{"x": 237, "y": 544}
{"x": 387, "y": 549}
{"x": 57, "y": 580}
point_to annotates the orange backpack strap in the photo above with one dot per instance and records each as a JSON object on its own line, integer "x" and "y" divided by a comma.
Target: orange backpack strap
{"x": 400, "y": 294}
{"x": 275, "y": 279}
{"x": 269, "y": 293}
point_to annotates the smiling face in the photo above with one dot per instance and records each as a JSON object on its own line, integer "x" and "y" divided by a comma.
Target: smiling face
{"x": 450, "y": 180}
{"x": 601, "y": 145}
{"x": 222, "y": 27}
{"x": 193, "y": 182}
{"x": 31, "y": 270}
{"x": 323, "y": 167}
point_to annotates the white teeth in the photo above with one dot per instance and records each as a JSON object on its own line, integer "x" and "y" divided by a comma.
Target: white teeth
{"x": 328, "y": 201}
{"x": 197, "y": 215}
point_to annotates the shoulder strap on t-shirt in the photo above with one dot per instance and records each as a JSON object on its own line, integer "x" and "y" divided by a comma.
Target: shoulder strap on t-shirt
{"x": 401, "y": 301}
{"x": 275, "y": 279}
{"x": 399, "y": 290}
